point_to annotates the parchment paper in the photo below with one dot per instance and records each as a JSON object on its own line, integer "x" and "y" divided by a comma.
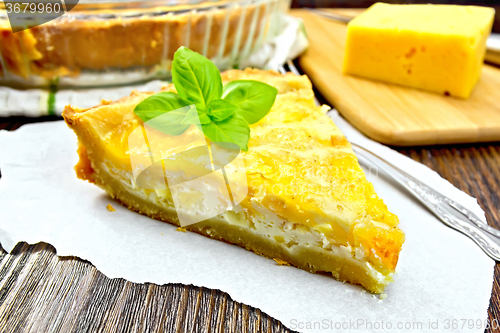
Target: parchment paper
{"x": 442, "y": 275}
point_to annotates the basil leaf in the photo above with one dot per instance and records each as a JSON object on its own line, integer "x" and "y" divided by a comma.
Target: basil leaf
{"x": 158, "y": 104}
{"x": 164, "y": 112}
{"x": 196, "y": 78}
{"x": 220, "y": 109}
{"x": 254, "y": 99}
{"x": 233, "y": 129}
{"x": 170, "y": 122}
{"x": 194, "y": 117}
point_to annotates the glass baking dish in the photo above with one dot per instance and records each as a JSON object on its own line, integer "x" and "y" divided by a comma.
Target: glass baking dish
{"x": 121, "y": 42}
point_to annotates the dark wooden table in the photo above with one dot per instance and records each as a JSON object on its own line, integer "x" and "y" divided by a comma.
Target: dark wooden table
{"x": 40, "y": 291}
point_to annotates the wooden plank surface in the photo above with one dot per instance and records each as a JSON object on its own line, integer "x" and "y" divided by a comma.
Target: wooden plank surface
{"x": 41, "y": 292}
{"x": 394, "y": 114}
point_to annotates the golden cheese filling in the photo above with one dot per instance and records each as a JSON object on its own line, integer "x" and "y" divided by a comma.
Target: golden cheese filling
{"x": 308, "y": 202}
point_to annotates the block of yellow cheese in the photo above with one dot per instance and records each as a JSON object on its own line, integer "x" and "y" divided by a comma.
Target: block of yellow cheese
{"x": 438, "y": 48}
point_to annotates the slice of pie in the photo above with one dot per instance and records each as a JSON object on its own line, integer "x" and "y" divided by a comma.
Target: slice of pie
{"x": 307, "y": 201}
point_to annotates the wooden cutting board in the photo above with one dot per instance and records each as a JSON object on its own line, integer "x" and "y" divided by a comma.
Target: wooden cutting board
{"x": 394, "y": 114}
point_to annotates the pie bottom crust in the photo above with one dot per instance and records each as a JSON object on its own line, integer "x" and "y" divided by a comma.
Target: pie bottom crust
{"x": 309, "y": 258}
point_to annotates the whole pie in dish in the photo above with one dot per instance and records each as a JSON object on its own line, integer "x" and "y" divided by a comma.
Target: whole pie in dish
{"x": 308, "y": 202}
{"x": 130, "y": 43}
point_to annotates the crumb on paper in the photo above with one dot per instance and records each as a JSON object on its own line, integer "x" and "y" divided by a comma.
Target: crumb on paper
{"x": 325, "y": 108}
{"x": 281, "y": 262}
{"x": 106, "y": 101}
{"x": 181, "y": 229}
{"x": 383, "y": 296}
{"x": 161, "y": 234}
{"x": 110, "y": 208}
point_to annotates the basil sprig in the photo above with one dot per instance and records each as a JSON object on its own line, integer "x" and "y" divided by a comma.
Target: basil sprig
{"x": 224, "y": 113}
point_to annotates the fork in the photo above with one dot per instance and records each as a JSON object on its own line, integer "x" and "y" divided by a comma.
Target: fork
{"x": 445, "y": 209}
{"x": 331, "y": 16}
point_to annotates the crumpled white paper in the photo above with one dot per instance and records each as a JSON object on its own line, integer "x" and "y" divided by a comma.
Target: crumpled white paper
{"x": 443, "y": 277}
{"x": 288, "y": 44}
